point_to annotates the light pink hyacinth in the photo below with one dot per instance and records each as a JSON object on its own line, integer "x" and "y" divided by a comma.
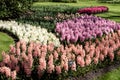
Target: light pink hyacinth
{"x": 58, "y": 69}
{"x": 88, "y": 60}
{"x": 13, "y": 75}
{"x": 12, "y": 49}
{"x": 101, "y": 57}
{"x": 95, "y": 60}
{"x": 5, "y": 70}
{"x": 18, "y": 45}
{"x": 18, "y": 51}
{"x": 55, "y": 54}
{"x": 24, "y": 47}
{"x": 6, "y": 57}
{"x": 51, "y": 66}
{"x": 80, "y": 61}
{"x": 42, "y": 64}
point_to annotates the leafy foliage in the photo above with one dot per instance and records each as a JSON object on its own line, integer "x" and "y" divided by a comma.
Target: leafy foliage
{"x": 46, "y": 16}
{"x": 13, "y": 8}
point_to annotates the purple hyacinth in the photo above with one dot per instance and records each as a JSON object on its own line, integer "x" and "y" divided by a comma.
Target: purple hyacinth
{"x": 85, "y": 27}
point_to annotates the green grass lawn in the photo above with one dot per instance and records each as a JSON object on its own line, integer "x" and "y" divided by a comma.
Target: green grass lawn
{"x": 112, "y": 75}
{"x": 113, "y": 14}
{"x": 5, "y": 41}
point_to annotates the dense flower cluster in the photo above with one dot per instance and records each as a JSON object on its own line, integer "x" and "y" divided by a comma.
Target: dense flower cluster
{"x": 93, "y": 10}
{"x": 29, "y": 33}
{"x": 51, "y": 59}
{"x": 85, "y": 27}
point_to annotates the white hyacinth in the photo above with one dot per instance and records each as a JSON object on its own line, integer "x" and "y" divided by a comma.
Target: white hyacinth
{"x": 29, "y": 33}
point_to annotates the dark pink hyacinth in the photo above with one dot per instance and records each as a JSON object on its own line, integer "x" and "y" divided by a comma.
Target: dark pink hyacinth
{"x": 93, "y": 10}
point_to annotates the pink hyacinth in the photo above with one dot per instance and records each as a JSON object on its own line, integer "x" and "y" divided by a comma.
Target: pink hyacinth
{"x": 114, "y": 46}
{"x": 50, "y": 47}
{"x": 6, "y": 57}
{"x": 42, "y": 63}
{"x": 18, "y": 45}
{"x": 63, "y": 57}
{"x": 13, "y": 75}
{"x": 27, "y": 69}
{"x": 69, "y": 56}
{"x": 18, "y": 52}
{"x": 105, "y": 51}
{"x": 44, "y": 48}
{"x": 97, "y": 52}
{"x": 30, "y": 50}
{"x": 58, "y": 49}
{"x": 50, "y": 64}
{"x": 39, "y": 72}
{"x": 55, "y": 54}
{"x": 65, "y": 66}
{"x": 35, "y": 53}
{"x": 96, "y": 60}
{"x": 62, "y": 48}
{"x": 14, "y": 60}
{"x": 24, "y": 47}
{"x": 80, "y": 61}
{"x": 91, "y": 53}
{"x": 12, "y": 49}
{"x": 73, "y": 57}
{"x": 88, "y": 60}
{"x": 5, "y": 70}
{"x": 87, "y": 48}
{"x": 38, "y": 51}
{"x": 50, "y": 68}
{"x": 31, "y": 44}
{"x": 62, "y": 63}
{"x": 17, "y": 68}
{"x": 101, "y": 57}
{"x": 111, "y": 55}
{"x": 30, "y": 59}
{"x": 118, "y": 32}
{"x": 83, "y": 53}
{"x": 24, "y": 56}
{"x": 58, "y": 69}
{"x": 43, "y": 55}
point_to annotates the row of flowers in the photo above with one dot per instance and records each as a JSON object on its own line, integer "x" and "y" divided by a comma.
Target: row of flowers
{"x": 27, "y": 58}
{"x": 93, "y": 10}
{"x": 85, "y": 27}
{"x": 29, "y": 33}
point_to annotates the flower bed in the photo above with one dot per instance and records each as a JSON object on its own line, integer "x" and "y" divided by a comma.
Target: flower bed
{"x": 93, "y": 10}
{"x": 29, "y": 33}
{"x": 38, "y": 59}
{"x": 84, "y": 28}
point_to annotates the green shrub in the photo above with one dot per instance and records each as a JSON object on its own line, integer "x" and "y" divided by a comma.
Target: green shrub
{"x": 13, "y": 8}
